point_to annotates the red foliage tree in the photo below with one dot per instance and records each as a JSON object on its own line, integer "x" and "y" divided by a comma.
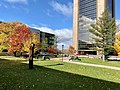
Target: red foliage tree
{"x": 18, "y": 37}
{"x": 52, "y": 50}
{"x": 6, "y": 28}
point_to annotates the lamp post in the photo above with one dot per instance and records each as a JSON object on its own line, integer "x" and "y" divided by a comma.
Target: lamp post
{"x": 62, "y": 52}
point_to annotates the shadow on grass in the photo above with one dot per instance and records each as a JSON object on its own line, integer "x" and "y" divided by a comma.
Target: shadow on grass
{"x": 17, "y": 76}
{"x": 55, "y": 64}
{"x": 114, "y": 60}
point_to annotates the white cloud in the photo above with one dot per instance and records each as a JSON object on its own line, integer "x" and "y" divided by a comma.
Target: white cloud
{"x": 118, "y": 24}
{"x": 2, "y": 20}
{"x": 64, "y": 35}
{"x": 3, "y": 5}
{"x": 65, "y": 9}
{"x": 17, "y": 1}
{"x": 40, "y": 25}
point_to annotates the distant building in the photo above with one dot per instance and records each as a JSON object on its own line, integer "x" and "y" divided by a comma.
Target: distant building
{"x": 86, "y": 12}
{"x": 44, "y": 35}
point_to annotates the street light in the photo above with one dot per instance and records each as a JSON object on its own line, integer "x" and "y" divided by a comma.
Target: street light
{"x": 62, "y": 52}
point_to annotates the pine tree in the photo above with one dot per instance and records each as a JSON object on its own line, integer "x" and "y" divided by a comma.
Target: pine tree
{"x": 103, "y": 33}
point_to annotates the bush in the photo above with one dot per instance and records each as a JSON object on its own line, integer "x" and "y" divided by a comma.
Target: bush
{"x": 18, "y": 54}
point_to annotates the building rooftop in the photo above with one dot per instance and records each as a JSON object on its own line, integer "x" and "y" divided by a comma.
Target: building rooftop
{"x": 38, "y": 29}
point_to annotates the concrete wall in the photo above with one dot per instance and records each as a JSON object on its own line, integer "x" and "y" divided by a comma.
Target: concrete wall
{"x": 75, "y": 24}
{"x": 100, "y": 7}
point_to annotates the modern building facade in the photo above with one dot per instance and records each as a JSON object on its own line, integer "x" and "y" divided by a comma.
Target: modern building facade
{"x": 85, "y": 13}
{"x": 44, "y": 35}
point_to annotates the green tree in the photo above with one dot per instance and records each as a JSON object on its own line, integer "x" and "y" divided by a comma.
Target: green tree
{"x": 56, "y": 41}
{"x": 44, "y": 45}
{"x": 103, "y": 33}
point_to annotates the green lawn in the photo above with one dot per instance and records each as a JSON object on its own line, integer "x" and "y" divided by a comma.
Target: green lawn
{"x": 55, "y": 75}
{"x": 11, "y": 58}
{"x": 115, "y": 63}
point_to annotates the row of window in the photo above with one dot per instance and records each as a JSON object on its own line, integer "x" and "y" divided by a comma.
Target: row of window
{"x": 88, "y": 5}
{"x": 87, "y": 1}
{"x": 88, "y": 8}
{"x": 88, "y": 13}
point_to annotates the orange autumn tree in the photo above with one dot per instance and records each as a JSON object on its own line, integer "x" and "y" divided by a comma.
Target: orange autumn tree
{"x": 52, "y": 49}
{"x": 34, "y": 38}
{"x": 117, "y": 44}
{"x": 71, "y": 50}
{"x": 6, "y": 28}
{"x": 18, "y": 37}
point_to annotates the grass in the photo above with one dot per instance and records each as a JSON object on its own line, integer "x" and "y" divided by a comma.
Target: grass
{"x": 55, "y": 75}
{"x": 12, "y": 58}
{"x": 115, "y": 63}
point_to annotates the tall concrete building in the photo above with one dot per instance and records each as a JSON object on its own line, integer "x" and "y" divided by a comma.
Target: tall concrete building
{"x": 86, "y": 12}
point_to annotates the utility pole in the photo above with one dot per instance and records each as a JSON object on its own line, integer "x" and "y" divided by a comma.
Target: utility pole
{"x": 62, "y": 52}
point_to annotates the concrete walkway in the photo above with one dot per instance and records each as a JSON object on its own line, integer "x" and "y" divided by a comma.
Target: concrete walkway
{"x": 93, "y": 65}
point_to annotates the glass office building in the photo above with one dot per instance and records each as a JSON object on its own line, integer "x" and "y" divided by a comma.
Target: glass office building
{"x": 110, "y": 6}
{"x": 85, "y": 13}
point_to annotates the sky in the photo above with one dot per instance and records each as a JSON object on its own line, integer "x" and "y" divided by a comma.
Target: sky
{"x": 54, "y": 16}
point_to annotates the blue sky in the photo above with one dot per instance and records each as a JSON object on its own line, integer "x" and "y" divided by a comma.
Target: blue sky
{"x": 54, "y": 16}
{"x": 38, "y": 12}
{"x": 117, "y": 9}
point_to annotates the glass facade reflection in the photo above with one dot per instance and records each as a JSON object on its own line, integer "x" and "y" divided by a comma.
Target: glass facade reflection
{"x": 84, "y": 35}
{"x": 87, "y": 17}
{"x": 109, "y": 6}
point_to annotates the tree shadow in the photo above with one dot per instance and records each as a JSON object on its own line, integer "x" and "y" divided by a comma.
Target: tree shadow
{"x": 114, "y": 60}
{"x": 17, "y": 76}
{"x": 59, "y": 64}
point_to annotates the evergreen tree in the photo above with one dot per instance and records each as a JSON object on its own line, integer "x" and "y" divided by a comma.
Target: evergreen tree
{"x": 103, "y": 33}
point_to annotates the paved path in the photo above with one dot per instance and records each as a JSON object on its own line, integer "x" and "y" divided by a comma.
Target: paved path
{"x": 93, "y": 65}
